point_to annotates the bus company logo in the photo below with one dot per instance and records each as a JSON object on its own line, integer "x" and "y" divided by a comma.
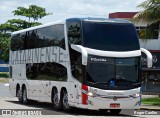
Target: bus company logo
{"x": 98, "y": 59}
{"x": 114, "y": 98}
{"x": 112, "y": 83}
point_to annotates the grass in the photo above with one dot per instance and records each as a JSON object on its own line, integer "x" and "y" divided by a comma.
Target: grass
{"x": 4, "y": 80}
{"x": 151, "y": 101}
{"x": 4, "y": 77}
{"x": 4, "y": 74}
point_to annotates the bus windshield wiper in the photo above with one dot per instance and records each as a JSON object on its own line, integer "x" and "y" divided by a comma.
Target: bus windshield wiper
{"x": 103, "y": 83}
{"x": 98, "y": 83}
{"x": 136, "y": 84}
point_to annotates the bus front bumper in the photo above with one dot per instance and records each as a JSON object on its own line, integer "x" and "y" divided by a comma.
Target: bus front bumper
{"x": 101, "y": 103}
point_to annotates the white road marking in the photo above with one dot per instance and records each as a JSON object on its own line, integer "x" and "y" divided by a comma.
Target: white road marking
{"x": 6, "y": 84}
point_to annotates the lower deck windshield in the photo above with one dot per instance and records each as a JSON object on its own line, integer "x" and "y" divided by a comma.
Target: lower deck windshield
{"x": 113, "y": 73}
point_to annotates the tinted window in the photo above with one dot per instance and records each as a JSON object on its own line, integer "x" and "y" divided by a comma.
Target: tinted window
{"x": 110, "y": 36}
{"x": 43, "y": 37}
{"x": 74, "y": 37}
{"x": 74, "y": 33}
{"x": 17, "y": 42}
{"x": 102, "y": 71}
{"x": 46, "y": 71}
{"x": 56, "y": 37}
{"x": 76, "y": 64}
{"x": 32, "y": 39}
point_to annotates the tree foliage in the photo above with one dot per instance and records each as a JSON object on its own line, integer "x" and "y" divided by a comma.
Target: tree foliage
{"x": 4, "y": 46}
{"x": 151, "y": 15}
{"x": 13, "y": 25}
{"x": 33, "y": 11}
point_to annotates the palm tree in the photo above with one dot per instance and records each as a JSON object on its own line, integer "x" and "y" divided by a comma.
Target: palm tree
{"x": 150, "y": 15}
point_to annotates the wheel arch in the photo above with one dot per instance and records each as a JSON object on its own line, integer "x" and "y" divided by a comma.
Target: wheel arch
{"x": 61, "y": 92}
{"x": 52, "y": 92}
{"x": 23, "y": 86}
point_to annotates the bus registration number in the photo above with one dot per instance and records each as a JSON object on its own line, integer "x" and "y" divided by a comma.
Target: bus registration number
{"x": 114, "y": 105}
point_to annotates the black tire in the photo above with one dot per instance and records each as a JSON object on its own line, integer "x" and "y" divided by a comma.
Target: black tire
{"x": 55, "y": 100}
{"x": 115, "y": 111}
{"x": 24, "y": 96}
{"x": 19, "y": 95}
{"x": 65, "y": 104}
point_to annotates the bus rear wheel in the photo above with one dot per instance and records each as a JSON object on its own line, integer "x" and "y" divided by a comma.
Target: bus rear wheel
{"x": 55, "y": 100}
{"x": 65, "y": 104}
{"x": 19, "y": 95}
{"x": 115, "y": 111}
{"x": 24, "y": 96}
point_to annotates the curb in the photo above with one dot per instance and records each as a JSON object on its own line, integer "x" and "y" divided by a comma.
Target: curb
{"x": 150, "y": 107}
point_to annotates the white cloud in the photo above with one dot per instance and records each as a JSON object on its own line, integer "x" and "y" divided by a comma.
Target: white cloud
{"x": 67, "y": 8}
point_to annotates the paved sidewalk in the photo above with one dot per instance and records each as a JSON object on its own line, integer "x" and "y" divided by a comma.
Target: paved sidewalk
{"x": 150, "y": 107}
{"x": 149, "y": 96}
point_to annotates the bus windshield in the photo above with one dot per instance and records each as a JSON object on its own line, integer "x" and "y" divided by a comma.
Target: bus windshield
{"x": 110, "y": 36}
{"x": 102, "y": 70}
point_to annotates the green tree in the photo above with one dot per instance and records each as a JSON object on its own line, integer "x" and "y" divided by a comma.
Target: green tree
{"x": 151, "y": 15}
{"x": 4, "y": 46}
{"x": 13, "y": 25}
{"x": 16, "y": 24}
{"x": 34, "y": 12}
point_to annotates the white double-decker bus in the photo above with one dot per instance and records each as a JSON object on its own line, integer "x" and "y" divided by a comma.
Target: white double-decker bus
{"x": 89, "y": 63}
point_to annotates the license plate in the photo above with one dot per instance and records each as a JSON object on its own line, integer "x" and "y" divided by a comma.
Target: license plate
{"x": 114, "y": 105}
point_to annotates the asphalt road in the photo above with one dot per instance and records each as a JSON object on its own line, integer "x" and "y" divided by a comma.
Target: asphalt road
{"x": 4, "y": 90}
{"x": 8, "y": 102}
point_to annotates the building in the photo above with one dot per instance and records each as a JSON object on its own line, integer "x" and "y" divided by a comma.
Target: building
{"x": 123, "y": 15}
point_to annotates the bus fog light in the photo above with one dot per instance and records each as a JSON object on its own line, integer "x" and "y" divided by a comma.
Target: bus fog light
{"x": 137, "y": 95}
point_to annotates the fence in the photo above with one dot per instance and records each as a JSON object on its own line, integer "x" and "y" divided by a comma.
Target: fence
{"x": 151, "y": 82}
{"x": 3, "y": 66}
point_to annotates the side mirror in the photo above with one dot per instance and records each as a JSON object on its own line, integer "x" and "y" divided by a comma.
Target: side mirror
{"x": 149, "y": 57}
{"x": 83, "y": 51}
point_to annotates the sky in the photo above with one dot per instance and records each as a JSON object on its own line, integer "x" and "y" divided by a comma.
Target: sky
{"x": 62, "y": 9}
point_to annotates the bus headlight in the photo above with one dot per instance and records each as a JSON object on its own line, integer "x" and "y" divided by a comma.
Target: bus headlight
{"x": 90, "y": 94}
{"x": 136, "y": 95}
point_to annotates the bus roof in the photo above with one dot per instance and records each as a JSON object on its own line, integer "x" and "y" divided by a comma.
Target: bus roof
{"x": 71, "y": 20}
{"x": 98, "y": 20}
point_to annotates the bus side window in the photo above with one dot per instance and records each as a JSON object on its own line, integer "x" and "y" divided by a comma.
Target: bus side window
{"x": 46, "y": 71}
{"x": 76, "y": 64}
{"x": 54, "y": 36}
{"x": 17, "y": 42}
{"x": 74, "y": 33}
